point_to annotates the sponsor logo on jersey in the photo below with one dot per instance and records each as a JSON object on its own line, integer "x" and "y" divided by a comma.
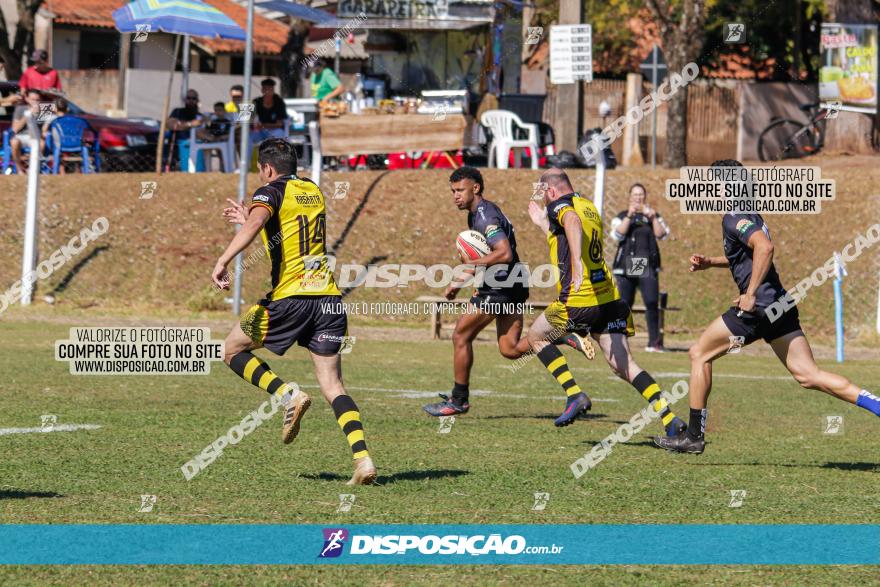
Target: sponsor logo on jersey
{"x": 492, "y": 230}
{"x": 743, "y": 225}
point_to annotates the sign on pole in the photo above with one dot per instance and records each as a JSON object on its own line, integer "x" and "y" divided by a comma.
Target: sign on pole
{"x": 654, "y": 68}
{"x": 571, "y": 53}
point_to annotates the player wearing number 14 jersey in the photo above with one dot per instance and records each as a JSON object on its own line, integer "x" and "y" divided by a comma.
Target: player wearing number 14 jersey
{"x": 304, "y": 306}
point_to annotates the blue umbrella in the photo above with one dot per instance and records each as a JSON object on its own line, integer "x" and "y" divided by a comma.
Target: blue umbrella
{"x": 179, "y": 17}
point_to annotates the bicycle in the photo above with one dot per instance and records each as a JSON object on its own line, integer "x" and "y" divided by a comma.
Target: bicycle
{"x": 788, "y": 139}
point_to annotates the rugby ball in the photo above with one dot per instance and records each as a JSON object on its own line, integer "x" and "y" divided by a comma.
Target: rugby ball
{"x": 472, "y": 245}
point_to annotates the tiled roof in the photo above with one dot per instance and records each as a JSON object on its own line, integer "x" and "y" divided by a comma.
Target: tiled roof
{"x": 269, "y": 35}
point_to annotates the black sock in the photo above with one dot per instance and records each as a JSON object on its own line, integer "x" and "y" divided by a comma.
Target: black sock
{"x": 460, "y": 393}
{"x": 697, "y": 424}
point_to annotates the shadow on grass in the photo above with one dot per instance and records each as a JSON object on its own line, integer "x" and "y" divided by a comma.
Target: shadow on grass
{"x": 862, "y": 466}
{"x": 394, "y": 478}
{"x": 18, "y": 494}
{"x": 65, "y": 281}
{"x": 588, "y": 416}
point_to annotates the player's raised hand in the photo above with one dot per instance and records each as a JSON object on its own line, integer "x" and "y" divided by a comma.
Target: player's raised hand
{"x": 699, "y": 262}
{"x": 538, "y": 215}
{"x": 236, "y": 213}
{"x": 220, "y": 276}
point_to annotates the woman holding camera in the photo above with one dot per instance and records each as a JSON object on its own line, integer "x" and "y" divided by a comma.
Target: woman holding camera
{"x": 637, "y": 263}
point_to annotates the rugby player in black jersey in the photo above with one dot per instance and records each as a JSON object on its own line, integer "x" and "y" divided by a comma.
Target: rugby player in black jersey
{"x": 749, "y": 253}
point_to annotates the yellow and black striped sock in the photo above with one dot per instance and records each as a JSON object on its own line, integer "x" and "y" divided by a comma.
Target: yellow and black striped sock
{"x": 555, "y": 362}
{"x": 255, "y": 371}
{"x": 649, "y": 389}
{"x": 349, "y": 419}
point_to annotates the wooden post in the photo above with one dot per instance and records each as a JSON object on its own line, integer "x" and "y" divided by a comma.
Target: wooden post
{"x": 164, "y": 120}
{"x": 124, "y": 50}
{"x": 632, "y": 151}
{"x": 568, "y": 96}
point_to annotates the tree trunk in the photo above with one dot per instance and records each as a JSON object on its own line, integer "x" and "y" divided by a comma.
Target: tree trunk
{"x": 682, "y": 33}
{"x": 292, "y": 58}
{"x": 676, "y": 112}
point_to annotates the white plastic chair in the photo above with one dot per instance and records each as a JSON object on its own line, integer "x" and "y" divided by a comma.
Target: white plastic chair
{"x": 501, "y": 123}
{"x": 225, "y": 147}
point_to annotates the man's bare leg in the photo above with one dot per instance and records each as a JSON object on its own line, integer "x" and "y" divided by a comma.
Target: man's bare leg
{"x": 795, "y": 353}
{"x": 468, "y": 326}
{"x": 509, "y": 327}
{"x": 713, "y": 343}
{"x": 238, "y": 356}
{"x": 328, "y": 371}
{"x": 615, "y": 348}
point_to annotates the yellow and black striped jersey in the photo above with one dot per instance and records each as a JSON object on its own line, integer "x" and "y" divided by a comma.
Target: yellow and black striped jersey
{"x": 294, "y": 237}
{"x": 598, "y": 286}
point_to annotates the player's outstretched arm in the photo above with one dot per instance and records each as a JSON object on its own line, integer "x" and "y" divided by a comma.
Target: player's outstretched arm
{"x": 701, "y": 262}
{"x": 255, "y": 221}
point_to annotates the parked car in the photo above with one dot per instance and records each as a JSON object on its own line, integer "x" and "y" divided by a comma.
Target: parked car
{"x": 126, "y": 145}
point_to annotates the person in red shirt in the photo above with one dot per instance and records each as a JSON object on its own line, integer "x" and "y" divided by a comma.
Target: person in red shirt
{"x": 40, "y": 75}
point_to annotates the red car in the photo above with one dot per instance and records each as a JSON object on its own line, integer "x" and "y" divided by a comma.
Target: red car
{"x": 126, "y": 144}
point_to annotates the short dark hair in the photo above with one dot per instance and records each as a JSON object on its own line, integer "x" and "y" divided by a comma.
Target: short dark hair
{"x": 470, "y": 173}
{"x": 238, "y": 87}
{"x": 267, "y": 82}
{"x": 638, "y": 185}
{"x": 726, "y": 163}
{"x": 219, "y": 105}
{"x": 278, "y": 153}
{"x": 61, "y": 105}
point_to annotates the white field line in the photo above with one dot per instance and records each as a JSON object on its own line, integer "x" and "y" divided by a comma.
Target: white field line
{"x": 47, "y": 429}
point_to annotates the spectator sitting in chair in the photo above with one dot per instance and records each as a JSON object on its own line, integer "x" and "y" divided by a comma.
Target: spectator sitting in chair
{"x": 30, "y": 109}
{"x": 180, "y": 121}
{"x": 236, "y": 95}
{"x": 219, "y": 125}
{"x": 271, "y": 114}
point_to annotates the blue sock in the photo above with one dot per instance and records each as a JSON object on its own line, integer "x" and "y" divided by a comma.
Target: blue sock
{"x": 869, "y": 401}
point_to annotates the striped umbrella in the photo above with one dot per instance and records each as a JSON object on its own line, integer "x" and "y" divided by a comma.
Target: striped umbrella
{"x": 178, "y": 17}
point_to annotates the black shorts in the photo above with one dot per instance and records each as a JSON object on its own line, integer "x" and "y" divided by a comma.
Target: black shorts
{"x": 501, "y": 302}
{"x": 754, "y": 325}
{"x": 612, "y": 317}
{"x": 317, "y": 323}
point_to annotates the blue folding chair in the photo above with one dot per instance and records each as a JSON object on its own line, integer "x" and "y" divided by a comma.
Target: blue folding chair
{"x": 7, "y": 165}
{"x": 66, "y": 135}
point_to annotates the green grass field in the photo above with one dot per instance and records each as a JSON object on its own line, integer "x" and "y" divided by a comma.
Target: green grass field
{"x": 766, "y": 437}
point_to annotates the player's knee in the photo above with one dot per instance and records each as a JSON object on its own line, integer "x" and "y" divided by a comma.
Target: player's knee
{"x": 807, "y": 379}
{"x": 696, "y": 353}
{"x": 462, "y": 338}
